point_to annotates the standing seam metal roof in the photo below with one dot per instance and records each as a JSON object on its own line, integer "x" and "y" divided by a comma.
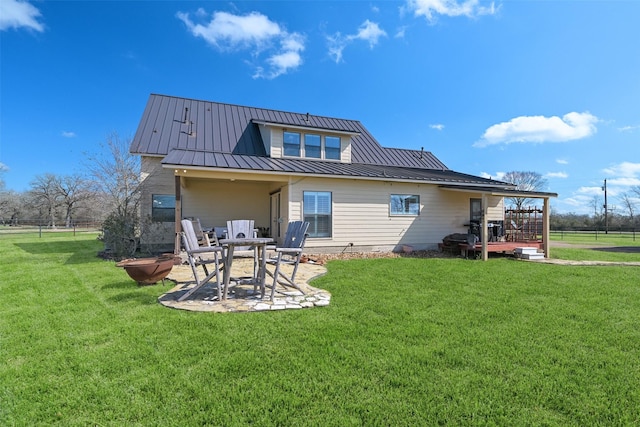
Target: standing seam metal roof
{"x": 198, "y": 133}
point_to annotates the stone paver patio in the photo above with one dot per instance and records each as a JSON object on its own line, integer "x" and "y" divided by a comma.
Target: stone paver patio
{"x": 242, "y": 298}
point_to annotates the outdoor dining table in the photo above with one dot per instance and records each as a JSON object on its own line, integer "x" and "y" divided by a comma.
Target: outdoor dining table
{"x": 260, "y": 243}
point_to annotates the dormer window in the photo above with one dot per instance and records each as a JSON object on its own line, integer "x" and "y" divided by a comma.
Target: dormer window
{"x": 292, "y": 144}
{"x": 311, "y": 146}
{"x": 332, "y": 147}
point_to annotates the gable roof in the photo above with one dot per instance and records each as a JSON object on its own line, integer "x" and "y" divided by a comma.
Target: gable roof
{"x": 204, "y": 134}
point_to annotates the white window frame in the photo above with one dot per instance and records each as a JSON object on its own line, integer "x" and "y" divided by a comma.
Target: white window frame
{"x": 403, "y": 201}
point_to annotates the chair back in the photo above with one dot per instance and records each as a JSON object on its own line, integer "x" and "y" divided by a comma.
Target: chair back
{"x": 188, "y": 235}
{"x": 240, "y": 229}
{"x": 296, "y": 234}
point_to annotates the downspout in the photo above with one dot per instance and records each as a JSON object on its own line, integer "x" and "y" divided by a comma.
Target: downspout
{"x": 178, "y": 213}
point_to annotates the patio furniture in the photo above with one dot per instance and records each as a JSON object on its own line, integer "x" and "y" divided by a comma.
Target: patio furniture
{"x": 241, "y": 229}
{"x": 204, "y": 238}
{"x": 197, "y": 256}
{"x": 290, "y": 253}
{"x": 259, "y": 244}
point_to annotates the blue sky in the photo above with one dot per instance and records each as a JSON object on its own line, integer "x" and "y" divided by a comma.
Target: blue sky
{"x": 488, "y": 87}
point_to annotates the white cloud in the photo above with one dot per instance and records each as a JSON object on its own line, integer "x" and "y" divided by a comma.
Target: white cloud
{"x": 437, "y": 126}
{"x": 400, "y": 32}
{"x": 590, "y": 191}
{"x": 19, "y": 14}
{"x": 629, "y": 128}
{"x": 497, "y": 176}
{"x": 538, "y": 129}
{"x": 368, "y": 31}
{"x": 562, "y": 162}
{"x": 556, "y": 175}
{"x": 624, "y": 169}
{"x": 430, "y": 9}
{"x": 624, "y": 181}
{"x": 68, "y": 134}
{"x": 3, "y": 167}
{"x": 255, "y": 32}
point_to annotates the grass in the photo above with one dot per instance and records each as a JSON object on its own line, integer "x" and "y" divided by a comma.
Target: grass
{"x": 405, "y": 341}
{"x": 620, "y": 247}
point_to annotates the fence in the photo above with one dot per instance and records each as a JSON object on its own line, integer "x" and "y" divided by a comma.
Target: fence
{"x": 620, "y": 232}
{"x": 37, "y": 225}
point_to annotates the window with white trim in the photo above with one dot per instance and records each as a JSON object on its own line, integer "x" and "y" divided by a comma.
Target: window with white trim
{"x": 310, "y": 146}
{"x": 332, "y": 147}
{"x": 317, "y": 211}
{"x": 291, "y": 142}
{"x": 404, "y": 204}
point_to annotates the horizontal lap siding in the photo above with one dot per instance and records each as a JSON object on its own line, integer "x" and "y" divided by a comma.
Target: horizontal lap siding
{"x": 216, "y": 202}
{"x": 361, "y": 213}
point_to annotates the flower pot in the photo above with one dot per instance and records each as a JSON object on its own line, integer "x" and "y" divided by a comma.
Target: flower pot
{"x": 147, "y": 271}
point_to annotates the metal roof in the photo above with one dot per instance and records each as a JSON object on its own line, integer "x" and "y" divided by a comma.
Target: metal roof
{"x": 194, "y": 133}
{"x": 197, "y": 159}
{"x": 501, "y": 192}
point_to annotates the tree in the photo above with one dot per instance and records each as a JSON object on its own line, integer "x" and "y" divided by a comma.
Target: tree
{"x": 73, "y": 190}
{"x": 524, "y": 181}
{"x": 115, "y": 174}
{"x": 45, "y": 197}
{"x": 11, "y": 204}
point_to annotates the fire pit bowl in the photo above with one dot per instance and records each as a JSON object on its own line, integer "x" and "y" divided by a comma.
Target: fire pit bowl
{"x": 147, "y": 271}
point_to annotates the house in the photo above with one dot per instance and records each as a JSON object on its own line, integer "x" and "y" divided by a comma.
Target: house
{"x": 219, "y": 161}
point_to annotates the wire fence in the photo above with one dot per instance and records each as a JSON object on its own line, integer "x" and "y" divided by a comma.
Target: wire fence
{"x": 620, "y": 232}
{"x": 42, "y": 226}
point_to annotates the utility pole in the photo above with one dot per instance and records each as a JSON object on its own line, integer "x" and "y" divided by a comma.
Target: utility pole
{"x": 606, "y": 209}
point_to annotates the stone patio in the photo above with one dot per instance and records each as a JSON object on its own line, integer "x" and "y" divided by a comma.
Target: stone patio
{"x": 242, "y": 298}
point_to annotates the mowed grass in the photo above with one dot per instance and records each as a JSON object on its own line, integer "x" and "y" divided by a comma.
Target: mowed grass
{"x": 620, "y": 247}
{"x": 405, "y": 341}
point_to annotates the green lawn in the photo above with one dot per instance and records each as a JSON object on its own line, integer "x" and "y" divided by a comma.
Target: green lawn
{"x": 405, "y": 341}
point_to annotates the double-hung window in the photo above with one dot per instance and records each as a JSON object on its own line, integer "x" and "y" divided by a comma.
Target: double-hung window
{"x": 291, "y": 144}
{"x": 404, "y": 204}
{"x": 332, "y": 147}
{"x": 317, "y": 211}
{"x": 312, "y": 146}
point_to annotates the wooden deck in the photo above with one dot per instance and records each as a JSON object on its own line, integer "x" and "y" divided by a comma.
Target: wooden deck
{"x": 505, "y": 247}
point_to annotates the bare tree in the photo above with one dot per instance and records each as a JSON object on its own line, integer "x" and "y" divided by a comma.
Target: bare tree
{"x": 11, "y": 205}
{"x": 115, "y": 174}
{"x": 72, "y": 190}
{"x": 44, "y": 196}
{"x": 524, "y": 181}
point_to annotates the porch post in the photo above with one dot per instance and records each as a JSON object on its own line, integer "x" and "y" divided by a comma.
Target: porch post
{"x": 484, "y": 227}
{"x": 178, "y": 228}
{"x": 546, "y": 227}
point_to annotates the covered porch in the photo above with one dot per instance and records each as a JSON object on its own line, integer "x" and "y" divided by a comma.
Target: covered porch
{"x": 485, "y": 246}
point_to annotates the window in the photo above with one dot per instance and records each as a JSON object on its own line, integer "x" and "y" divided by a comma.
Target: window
{"x": 312, "y": 146}
{"x": 317, "y": 211}
{"x": 332, "y": 147}
{"x": 291, "y": 144}
{"x": 163, "y": 208}
{"x": 405, "y": 204}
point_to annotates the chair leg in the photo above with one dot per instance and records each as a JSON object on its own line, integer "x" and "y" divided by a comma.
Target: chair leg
{"x": 275, "y": 276}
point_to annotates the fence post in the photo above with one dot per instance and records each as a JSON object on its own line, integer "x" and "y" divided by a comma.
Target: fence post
{"x": 40, "y": 231}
